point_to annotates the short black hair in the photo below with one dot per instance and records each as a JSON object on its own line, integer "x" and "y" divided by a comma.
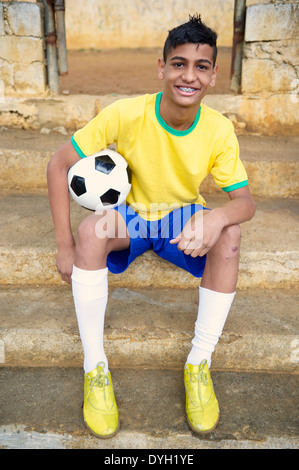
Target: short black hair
{"x": 195, "y": 32}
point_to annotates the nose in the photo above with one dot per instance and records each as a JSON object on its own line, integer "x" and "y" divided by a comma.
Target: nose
{"x": 189, "y": 75}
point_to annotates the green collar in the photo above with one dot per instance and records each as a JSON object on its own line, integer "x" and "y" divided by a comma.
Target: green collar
{"x": 167, "y": 127}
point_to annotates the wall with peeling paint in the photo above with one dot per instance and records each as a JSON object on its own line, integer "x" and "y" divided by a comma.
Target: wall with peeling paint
{"x": 103, "y": 24}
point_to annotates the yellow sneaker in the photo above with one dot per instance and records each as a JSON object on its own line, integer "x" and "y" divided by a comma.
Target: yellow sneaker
{"x": 100, "y": 410}
{"x": 201, "y": 403}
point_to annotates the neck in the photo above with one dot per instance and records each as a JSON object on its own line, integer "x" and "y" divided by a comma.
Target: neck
{"x": 177, "y": 117}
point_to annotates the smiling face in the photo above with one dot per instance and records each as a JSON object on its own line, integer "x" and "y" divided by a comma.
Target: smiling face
{"x": 188, "y": 73}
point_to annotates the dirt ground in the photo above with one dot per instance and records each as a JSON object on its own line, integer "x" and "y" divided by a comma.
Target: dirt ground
{"x": 126, "y": 71}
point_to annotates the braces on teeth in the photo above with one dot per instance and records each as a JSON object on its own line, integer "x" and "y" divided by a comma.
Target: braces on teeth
{"x": 186, "y": 89}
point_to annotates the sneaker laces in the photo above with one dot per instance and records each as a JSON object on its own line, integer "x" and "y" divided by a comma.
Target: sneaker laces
{"x": 100, "y": 380}
{"x": 200, "y": 377}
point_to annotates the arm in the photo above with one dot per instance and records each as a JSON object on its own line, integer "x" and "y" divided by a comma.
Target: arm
{"x": 57, "y": 170}
{"x": 202, "y": 231}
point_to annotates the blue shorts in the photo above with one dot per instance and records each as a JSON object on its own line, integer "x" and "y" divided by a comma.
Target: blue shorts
{"x": 146, "y": 235}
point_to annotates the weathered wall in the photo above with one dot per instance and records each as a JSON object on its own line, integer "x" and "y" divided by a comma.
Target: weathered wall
{"x": 140, "y": 23}
{"x": 22, "y": 60}
{"x": 270, "y": 66}
{"x": 270, "y": 69}
{"x": 271, "y": 52}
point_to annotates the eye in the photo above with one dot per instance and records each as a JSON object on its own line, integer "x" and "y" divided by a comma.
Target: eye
{"x": 178, "y": 65}
{"x": 202, "y": 67}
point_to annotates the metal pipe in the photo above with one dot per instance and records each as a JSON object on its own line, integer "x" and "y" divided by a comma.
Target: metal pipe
{"x": 59, "y": 6}
{"x": 238, "y": 38}
{"x": 50, "y": 35}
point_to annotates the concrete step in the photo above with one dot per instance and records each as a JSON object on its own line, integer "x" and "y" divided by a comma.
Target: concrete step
{"x": 41, "y": 408}
{"x": 149, "y": 328}
{"x": 256, "y": 113}
{"x": 269, "y": 255}
{"x": 272, "y": 163}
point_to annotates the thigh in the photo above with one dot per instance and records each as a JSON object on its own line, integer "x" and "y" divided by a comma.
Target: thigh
{"x": 119, "y": 259}
{"x": 103, "y": 228}
{"x": 110, "y": 225}
{"x": 172, "y": 227}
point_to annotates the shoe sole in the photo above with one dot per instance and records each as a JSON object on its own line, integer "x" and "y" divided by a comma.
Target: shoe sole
{"x": 197, "y": 431}
{"x": 99, "y": 436}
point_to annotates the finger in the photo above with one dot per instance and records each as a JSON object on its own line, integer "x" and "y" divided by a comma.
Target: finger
{"x": 181, "y": 237}
{"x": 193, "y": 252}
{"x": 191, "y": 244}
{"x": 189, "y": 247}
{"x": 68, "y": 280}
{"x": 200, "y": 252}
{"x": 175, "y": 240}
{"x": 65, "y": 278}
{"x": 182, "y": 245}
{"x": 188, "y": 252}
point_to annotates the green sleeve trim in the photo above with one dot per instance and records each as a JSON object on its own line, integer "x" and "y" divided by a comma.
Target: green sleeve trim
{"x": 232, "y": 187}
{"x": 77, "y": 148}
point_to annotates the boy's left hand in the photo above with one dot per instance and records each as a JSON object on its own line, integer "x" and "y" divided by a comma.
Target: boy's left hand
{"x": 199, "y": 234}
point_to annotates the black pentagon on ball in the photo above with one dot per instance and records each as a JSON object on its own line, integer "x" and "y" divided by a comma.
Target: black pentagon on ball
{"x": 78, "y": 185}
{"x": 104, "y": 164}
{"x": 110, "y": 197}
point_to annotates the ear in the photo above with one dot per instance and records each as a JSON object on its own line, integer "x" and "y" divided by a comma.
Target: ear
{"x": 214, "y": 75}
{"x": 161, "y": 67}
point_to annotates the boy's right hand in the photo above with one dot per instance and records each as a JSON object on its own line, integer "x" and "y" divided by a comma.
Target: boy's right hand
{"x": 64, "y": 262}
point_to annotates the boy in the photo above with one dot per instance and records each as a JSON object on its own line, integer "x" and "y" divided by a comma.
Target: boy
{"x": 171, "y": 142}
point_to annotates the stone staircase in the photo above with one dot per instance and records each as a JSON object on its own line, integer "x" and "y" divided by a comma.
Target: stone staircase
{"x": 150, "y": 319}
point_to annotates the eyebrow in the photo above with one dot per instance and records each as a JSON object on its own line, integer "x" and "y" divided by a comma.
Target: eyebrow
{"x": 184, "y": 59}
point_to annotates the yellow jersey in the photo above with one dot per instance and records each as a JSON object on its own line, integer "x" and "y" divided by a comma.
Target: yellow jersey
{"x": 167, "y": 166}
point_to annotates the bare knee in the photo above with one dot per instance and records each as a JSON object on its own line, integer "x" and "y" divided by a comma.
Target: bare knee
{"x": 91, "y": 249}
{"x": 86, "y": 230}
{"x": 97, "y": 227}
{"x": 105, "y": 231}
{"x": 228, "y": 245}
{"x": 232, "y": 235}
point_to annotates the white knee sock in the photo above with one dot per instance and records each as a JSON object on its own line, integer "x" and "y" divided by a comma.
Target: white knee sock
{"x": 212, "y": 313}
{"x": 90, "y": 292}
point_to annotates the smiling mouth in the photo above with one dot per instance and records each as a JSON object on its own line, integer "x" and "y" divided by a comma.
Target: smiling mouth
{"x": 187, "y": 90}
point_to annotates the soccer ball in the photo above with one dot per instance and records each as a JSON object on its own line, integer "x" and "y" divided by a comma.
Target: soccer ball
{"x": 100, "y": 181}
